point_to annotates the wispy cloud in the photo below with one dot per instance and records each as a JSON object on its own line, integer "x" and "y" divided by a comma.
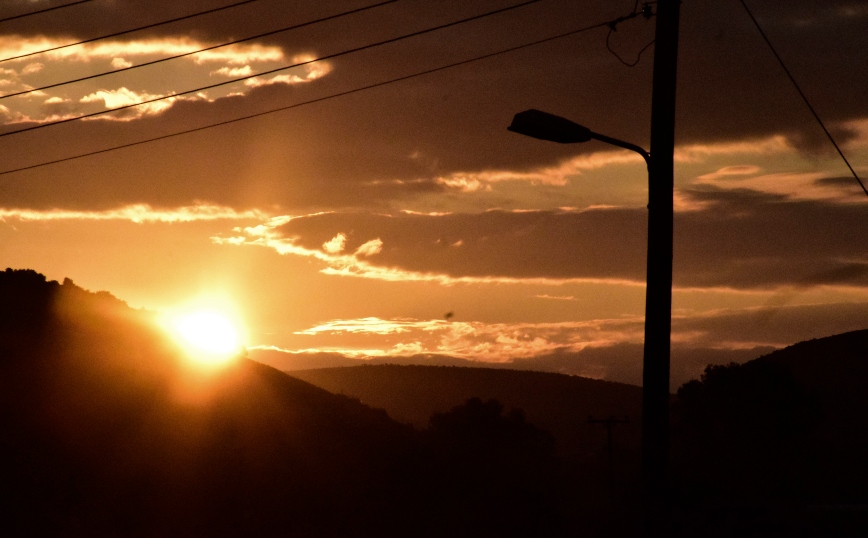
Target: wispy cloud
{"x": 478, "y": 341}
{"x": 362, "y": 263}
{"x": 139, "y": 213}
{"x": 240, "y": 60}
{"x": 240, "y": 54}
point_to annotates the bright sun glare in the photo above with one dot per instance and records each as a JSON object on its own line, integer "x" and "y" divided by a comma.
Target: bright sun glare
{"x": 207, "y": 335}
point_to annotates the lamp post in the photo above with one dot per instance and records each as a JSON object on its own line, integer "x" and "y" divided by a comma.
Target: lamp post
{"x": 658, "y": 289}
{"x": 658, "y": 303}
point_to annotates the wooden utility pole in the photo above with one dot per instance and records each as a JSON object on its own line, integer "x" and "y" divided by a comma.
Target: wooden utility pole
{"x": 610, "y": 423}
{"x": 658, "y": 294}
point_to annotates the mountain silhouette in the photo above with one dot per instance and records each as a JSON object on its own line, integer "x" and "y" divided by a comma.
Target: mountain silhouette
{"x": 558, "y": 403}
{"x": 778, "y": 442}
{"x": 106, "y": 429}
{"x": 773, "y": 446}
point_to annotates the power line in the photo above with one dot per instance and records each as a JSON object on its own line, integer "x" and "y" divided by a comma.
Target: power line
{"x": 166, "y": 59}
{"x": 270, "y": 71}
{"x": 804, "y": 97}
{"x": 646, "y": 12}
{"x": 311, "y": 101}
{"x": 12, "y": 18}
{"x": 153, "y": 25}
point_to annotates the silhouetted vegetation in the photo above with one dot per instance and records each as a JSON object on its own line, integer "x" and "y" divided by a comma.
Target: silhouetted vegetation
{"x": 495, "y": 473}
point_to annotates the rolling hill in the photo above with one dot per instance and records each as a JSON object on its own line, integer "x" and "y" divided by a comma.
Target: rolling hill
{"x": 106, "y": 430}
{"x": 557, "y": 403}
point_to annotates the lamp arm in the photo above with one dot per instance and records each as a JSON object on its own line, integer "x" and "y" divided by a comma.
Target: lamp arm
{"x": 621, "y": 144}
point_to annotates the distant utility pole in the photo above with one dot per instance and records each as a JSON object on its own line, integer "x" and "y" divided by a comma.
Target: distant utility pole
{"x": 610, "y": 423}
{"x": 658, "y": 294}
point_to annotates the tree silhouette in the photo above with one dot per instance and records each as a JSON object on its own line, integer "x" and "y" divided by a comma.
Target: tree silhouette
{"x": 497, "y": 470}
{"x": 747, "y": 430}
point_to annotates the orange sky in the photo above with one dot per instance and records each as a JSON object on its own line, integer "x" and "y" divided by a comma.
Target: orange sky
{"x": 348, "y": 228}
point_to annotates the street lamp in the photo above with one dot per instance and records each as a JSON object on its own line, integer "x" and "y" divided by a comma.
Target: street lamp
{"x": 545, "y": 126}
{"x": 658, "y": 294}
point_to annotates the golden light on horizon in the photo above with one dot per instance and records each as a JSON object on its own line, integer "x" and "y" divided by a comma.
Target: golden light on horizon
{"x": 207, "y": 335}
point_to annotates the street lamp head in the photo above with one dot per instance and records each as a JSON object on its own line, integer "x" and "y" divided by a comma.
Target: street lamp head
{"x": 545, "y": 126}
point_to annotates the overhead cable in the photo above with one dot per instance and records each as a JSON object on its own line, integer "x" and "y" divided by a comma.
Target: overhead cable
{"x": 235, "y": 42}
{"x": 123, "y": 32}
{"x": 646, "y": 12}
{"x": 12, "y": 18}
{"x": 271, "y": 71}
{"x": 804, "y": 97}
{"x": 311, "y": 101}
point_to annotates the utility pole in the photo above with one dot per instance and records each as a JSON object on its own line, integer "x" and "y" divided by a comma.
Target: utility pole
{"x": 658, "y": 294}
{"x": 609, "y": 423}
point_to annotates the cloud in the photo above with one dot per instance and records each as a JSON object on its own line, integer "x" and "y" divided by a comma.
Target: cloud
{"x": 240, "y": 54}
{"x": 556, "y": 297}
{"x": 139, "y": 213}
{"x": 729, "y": 171}
{"x": 309, "y": 72}
{"x": 478, "y": 341}
{"x": 120, "y": 63}
{"x": 234, "y": 72}
{"x": 733, "y": 239}
{"x": 358, "y": 151}
{"x": 411, "y": 247}
{"x": 31, "y": 68}
{"x": 125, "y": 97}
{"x": 336, "y": 244}
{"x": 608, "y": 349}
{"x": 372, "y": 247}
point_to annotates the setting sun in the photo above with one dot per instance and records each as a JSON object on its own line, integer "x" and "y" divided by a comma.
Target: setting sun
{"x": 207, "y": 335}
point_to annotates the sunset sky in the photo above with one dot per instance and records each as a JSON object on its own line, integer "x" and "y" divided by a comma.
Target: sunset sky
{"x": 403, "y": 222}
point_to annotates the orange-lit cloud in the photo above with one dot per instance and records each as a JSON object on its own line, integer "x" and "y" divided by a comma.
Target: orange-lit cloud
{"x": 692, "y": 153}
{"x": 139, "y": 213}
{"x": 606, "y": 349}
{"x": 484, "y": 342}
{"x": 795, "y": 186}
{"x": 558, "y": 175}
{"x": 556, "y": 297}
{"x": 239, "y": 54}
{"x": 124, "y": 97}
{"x": 724, "y": 239}
{"x": 338, "y": 263}
{"x": 233, "y": 61}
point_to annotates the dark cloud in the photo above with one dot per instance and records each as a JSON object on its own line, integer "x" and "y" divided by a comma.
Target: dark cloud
{"x": 493, "y": 243}
{"x": 349, "y": 151}
{"x": 741, "y": 239}
{"x": 773, "y": 324}
{"x": 844, "y": 182}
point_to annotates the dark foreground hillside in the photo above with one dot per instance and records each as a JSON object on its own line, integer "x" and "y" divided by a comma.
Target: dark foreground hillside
{"x": 773, "y": 447}
{"x": 777, "y": 445}
{"x": 106, "y": 431}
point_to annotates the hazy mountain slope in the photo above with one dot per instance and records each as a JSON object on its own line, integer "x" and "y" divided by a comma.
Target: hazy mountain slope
{"x": 105, "y": 430}
{"x": 558, "y": 403}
